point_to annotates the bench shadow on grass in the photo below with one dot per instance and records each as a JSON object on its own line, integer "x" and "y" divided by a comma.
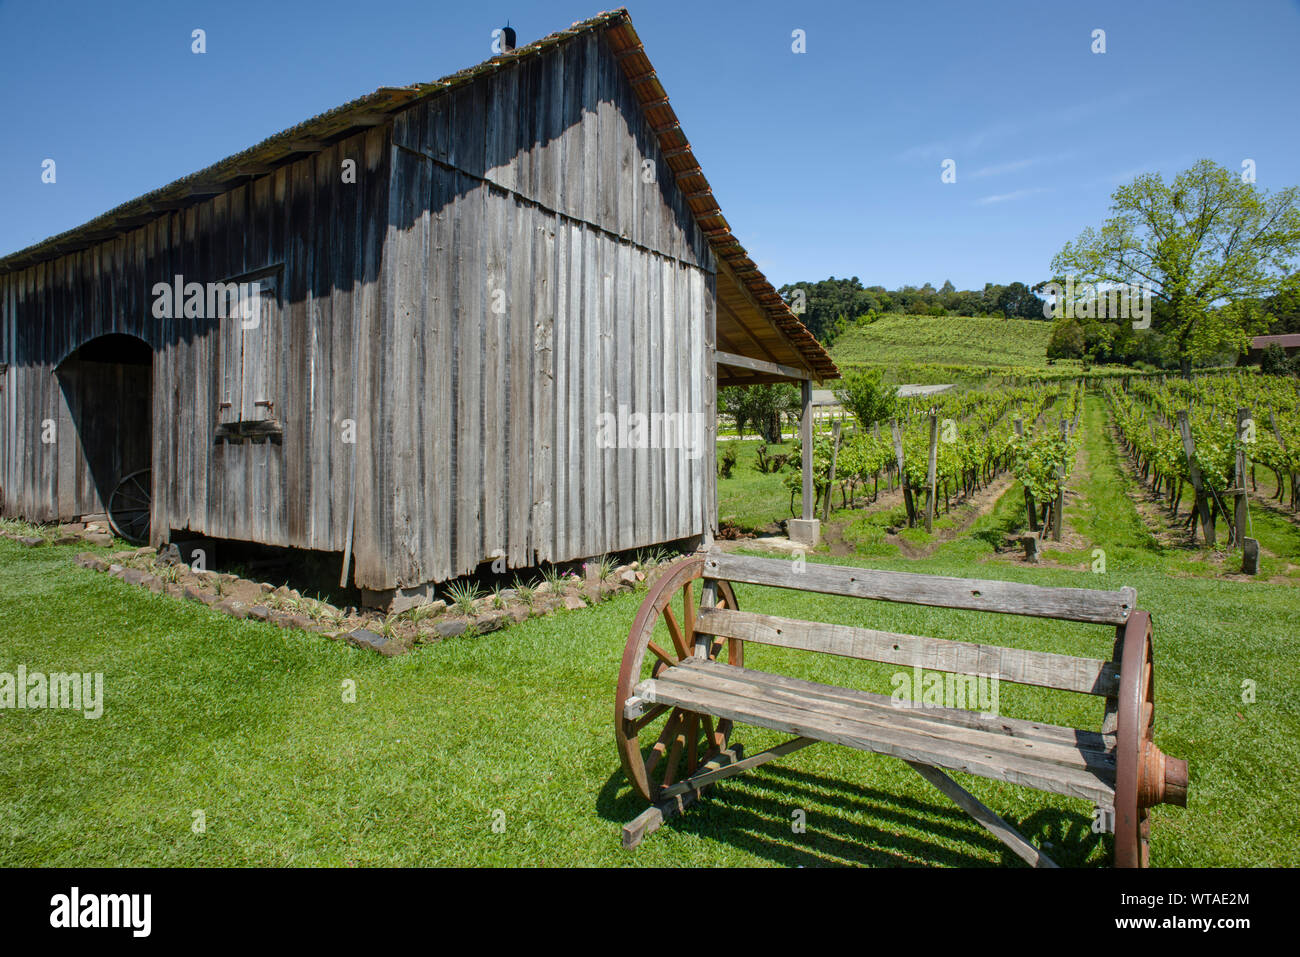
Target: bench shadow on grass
{"x": 753, "y": 813}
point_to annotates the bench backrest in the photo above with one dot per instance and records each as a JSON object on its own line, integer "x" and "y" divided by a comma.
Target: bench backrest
{"x": 1044, "y": 669}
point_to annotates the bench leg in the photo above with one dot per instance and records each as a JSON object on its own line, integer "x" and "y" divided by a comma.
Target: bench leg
{"x": 999, "y": 828}
{"x": 682, "y": 795}
{"x": 653, "y": 817}
{"x": 728, "y": 765}
{"x": 649, "y": 820}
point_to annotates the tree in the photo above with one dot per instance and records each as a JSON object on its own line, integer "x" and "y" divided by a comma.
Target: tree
{"x": 1067, "y": 340}
{"x": 760, "y": 406}
{"x": 1209, "y": 246}
{"x": 1017, "y": 301}
{"x": 864, "y": 393}
{"x": 731, "y": 404}
{"x": 829, "y": 300}
{"x": 1275, "y": 361}
{"x": 1283, "y": 308}
{"x": 832, "y": 306}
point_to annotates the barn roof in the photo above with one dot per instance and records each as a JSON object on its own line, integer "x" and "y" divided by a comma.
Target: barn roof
{"x": 753, "y": 322}
{"x": 1287, "y": 341}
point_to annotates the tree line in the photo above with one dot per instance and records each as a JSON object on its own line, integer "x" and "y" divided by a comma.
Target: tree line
{"x": 829, "y": 306}
{"x": 1215, "y": 254}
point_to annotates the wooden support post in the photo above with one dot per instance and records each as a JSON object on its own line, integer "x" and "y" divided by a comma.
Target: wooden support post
{"x": 806, "y": 437}
{"x": 1194, "y": 472}
{"x": 902, "y": 476}
{"x": 1030, "y": 510}
{"x": 830, "y": 479}
{"x": 889, "y": 472}
{"x": 1058, "y": 509}
{"x": 1250, "y": 556}
{"x": 708, "y": 599}
{"x": 1241, "y": 514}
{"x": 806, "y": 530}
{"x": 929, "y": 475}
{"x": 1030, "y": 543}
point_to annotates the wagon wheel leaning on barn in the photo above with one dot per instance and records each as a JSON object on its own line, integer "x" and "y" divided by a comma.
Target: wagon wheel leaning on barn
{"x": 129, "y": 506}
{"x": 1144, "y": 775}
{"x": 662, "y": 635}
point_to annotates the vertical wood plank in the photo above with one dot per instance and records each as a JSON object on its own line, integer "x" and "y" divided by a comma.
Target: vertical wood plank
{"x": 593, "y": 538}
{"x": 547, "y": 270}
{"x": 562, "y": 369}
{"x": 526, "y": 288}
{"x": 493, "y": 487}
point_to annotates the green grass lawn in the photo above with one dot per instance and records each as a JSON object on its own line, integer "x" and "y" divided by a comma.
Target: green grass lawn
{"x": 751, "y": 499}
{"x": 248, "y": 724}
{"x": 1102, "y": 512}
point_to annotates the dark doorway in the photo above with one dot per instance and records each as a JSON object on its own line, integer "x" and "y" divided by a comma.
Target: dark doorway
{"x": 108, "y": 386}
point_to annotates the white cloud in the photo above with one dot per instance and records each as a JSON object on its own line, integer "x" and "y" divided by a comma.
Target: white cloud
{"x": 1013, "y": 166}
{"x": 1007, "y": 197}
{"x": 956, "y": 147}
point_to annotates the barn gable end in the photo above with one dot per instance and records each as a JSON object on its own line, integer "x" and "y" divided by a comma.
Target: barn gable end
{"x": 458, "y": 341}
{"x": 547, "y": 270}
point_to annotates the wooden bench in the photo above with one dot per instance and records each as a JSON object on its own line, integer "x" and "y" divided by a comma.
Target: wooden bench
{"x": 679, "y": 692}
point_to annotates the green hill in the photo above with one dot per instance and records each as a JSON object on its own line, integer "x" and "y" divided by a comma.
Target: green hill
{"x": 951, "y": 343}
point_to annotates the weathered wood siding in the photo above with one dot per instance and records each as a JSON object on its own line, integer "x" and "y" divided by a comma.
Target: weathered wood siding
{"x": 541, "y": 269}
{"x": 514, "y": 261}
{"x": 319, "y": 240}
{"x": 47, "y": 311}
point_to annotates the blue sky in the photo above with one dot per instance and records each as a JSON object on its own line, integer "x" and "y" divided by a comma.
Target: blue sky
{"x": 826, "y": 162}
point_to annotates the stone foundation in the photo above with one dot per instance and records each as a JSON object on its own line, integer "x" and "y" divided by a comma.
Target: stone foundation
{"x": 804, "y": 531}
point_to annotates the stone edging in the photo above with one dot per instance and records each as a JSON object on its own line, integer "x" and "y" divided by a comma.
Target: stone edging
{"x": 389, "y": 635}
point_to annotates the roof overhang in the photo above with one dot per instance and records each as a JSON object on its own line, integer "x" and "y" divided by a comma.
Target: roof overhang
{"x": 751, "y": 347}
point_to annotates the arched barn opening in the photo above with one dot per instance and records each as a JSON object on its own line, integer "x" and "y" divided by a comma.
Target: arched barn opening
{"x": 107, "y": 384}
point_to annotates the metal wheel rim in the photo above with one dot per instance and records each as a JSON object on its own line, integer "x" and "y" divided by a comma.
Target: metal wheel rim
{"x": 130, "y": 506}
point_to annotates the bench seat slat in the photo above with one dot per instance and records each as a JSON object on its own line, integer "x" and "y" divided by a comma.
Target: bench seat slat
{"x": 742, "y": 695}
{"x": 947, "y": 717}
{"x": 1040, "y": 668}
{"x": 1012, "y": 598}
{"x": 754, "y": 684}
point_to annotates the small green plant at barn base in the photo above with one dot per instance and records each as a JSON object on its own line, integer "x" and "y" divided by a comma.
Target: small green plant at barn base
{"x": 463, "y": 595}
{"x": 525, "y": 591}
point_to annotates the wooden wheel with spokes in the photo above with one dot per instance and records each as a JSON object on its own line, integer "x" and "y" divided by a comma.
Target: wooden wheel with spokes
{"x": 677, "y": 742}
{"x": 1144, "y": 775}
{"x": 129, "y": 506}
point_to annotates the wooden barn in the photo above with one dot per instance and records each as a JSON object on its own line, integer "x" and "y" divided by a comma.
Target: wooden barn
{"x": 1288, "y": 343}
{"x": 491, "y": 316}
